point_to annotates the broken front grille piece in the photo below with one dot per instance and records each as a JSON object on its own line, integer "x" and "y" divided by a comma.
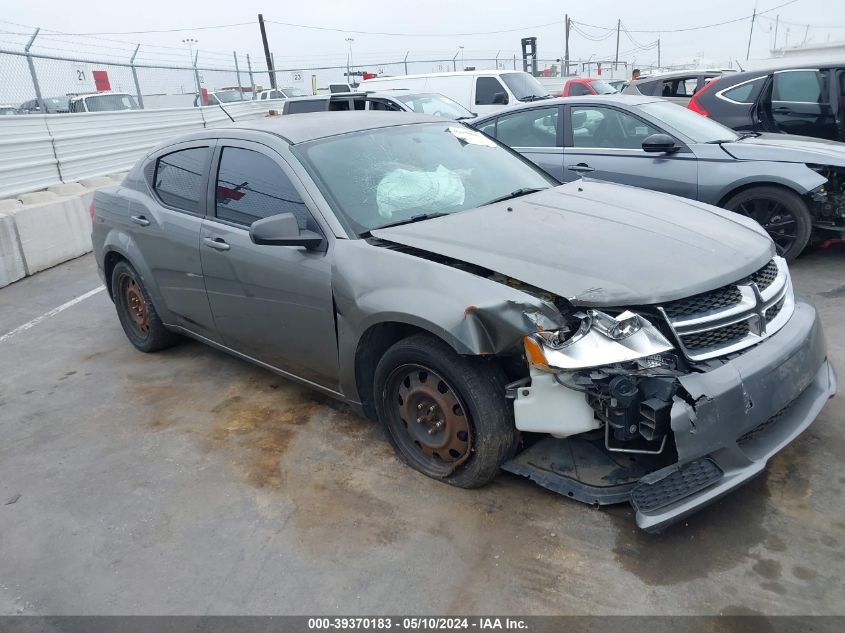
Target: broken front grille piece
{"x": 687, "y": 480}
{"x": 733, "y": 317}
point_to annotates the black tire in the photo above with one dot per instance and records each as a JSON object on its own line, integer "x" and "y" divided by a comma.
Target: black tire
{"x": 781, "y": 212}
{"x": 473, "y": 446}
{"x": 136, "y": 311}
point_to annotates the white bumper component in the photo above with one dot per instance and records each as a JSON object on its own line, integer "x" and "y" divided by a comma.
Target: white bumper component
{"x": 548, "y": 407}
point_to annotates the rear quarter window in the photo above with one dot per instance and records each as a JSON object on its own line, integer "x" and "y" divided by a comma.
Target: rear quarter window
{"x": 179, "y": 176}
{"x": 300, "y": 107}
{"x": 746, "y": 92}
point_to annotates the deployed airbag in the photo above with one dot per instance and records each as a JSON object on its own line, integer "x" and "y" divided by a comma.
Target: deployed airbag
{"x": 401, "y": 189}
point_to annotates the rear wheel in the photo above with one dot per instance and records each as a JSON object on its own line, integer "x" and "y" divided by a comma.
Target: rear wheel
{"x": 445, "y": 414}
{"x": 781, "y": 212}
{"x": 136, "y": 311}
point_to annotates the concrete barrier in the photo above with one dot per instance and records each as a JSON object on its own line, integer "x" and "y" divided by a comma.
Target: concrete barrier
{"x": 11, "y": 260}
{"x": 43, "y": 229}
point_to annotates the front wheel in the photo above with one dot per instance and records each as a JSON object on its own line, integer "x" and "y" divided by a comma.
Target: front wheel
{"x": 781, "y": 212}
{"x": 445, "y": 415}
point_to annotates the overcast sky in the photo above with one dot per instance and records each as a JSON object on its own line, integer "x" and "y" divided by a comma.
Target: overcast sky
{"x": 436, "y": 22}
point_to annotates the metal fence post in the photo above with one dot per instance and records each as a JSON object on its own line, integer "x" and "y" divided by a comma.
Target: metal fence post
{"x": 238, "y": 73}
{"x": 197, "y": 77}
{"x": 32, "y": 72}
{"x": 135, "y": 77}
{"x": 251, "y": 79}
{"x": 514, "y": 62}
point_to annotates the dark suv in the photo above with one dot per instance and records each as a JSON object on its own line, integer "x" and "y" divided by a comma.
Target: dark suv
{"x": 807, "y": 100}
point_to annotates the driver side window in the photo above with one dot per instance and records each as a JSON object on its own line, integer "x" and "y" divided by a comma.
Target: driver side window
{"x": 251, "y": 186}
{"x": 607, "y": 127}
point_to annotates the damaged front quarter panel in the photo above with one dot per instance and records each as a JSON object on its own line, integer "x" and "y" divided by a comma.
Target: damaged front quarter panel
{"x": 375, "y": 283}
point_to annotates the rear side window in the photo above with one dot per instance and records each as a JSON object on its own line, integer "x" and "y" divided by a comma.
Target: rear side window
{"x": 251, "y": 186}
{"x": 745, "y": 93}
{"x": 309, "y": 105}
{"x": 800, "y": 86}
{"x": 178, "y": 178}
{"x": 486, "y": 88}
{"x": 529, "y": 128}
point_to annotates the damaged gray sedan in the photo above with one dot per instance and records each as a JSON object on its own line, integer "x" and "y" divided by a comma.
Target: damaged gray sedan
{"x": 580, "y": 335}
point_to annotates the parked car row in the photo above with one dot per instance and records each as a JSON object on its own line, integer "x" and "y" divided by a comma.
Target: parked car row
{"x": 612, "y": 344}
{"x": 793, "y": 187}
{"x": 88, "y": 102}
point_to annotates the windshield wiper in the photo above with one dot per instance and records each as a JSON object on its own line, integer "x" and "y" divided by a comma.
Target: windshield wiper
{"x": 741, "y": 137}
{"x": 414, "y": 218}
{"x": 535, "y": 97}
{"x": 523, "y": 191}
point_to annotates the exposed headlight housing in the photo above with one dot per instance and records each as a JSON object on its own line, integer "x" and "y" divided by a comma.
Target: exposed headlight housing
{"x": 601, "y": 339}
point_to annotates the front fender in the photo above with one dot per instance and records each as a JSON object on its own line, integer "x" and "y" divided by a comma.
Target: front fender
{"x": 472, "y": 313}
{"x": 718, "y": 182}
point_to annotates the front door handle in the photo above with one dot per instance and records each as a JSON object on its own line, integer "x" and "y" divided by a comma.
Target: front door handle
{"x": 580, "y": 168}
{"x": 140, "y": 220}
{"x": 217, "y": 243}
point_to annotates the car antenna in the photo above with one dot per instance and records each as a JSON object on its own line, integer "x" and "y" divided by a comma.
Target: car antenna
{"x": 226, "y": 113}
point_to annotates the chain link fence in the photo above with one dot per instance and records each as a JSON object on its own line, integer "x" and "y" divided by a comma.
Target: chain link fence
{"x": 33, "y": 82}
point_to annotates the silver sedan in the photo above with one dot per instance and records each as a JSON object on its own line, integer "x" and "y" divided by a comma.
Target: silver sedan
{"x": 793, "y": 186}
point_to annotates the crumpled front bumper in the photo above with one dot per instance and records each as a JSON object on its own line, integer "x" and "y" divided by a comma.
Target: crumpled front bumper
{"x": 737, "y": 417}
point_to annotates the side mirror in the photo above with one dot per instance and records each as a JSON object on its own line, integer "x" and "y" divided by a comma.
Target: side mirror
{"x": 660, "y": 144}
{"x": 283, "y": 230}
{"x": 500, "y": 98}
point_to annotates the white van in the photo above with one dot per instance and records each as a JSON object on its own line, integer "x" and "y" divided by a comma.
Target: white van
{"x": 480, "y": 91}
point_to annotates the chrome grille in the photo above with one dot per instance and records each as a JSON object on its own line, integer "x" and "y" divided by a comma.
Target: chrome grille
{"x": 720, "y": 298}
{"x": 765, "y": 276}
{"x": 719, "y": 336}
{"x": 735, "y": 316}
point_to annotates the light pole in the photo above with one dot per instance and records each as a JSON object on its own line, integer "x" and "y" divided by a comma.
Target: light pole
{"x": 463, "y": 65}
{"x": 190, "y": 41}
{"x": 351, "y": 69}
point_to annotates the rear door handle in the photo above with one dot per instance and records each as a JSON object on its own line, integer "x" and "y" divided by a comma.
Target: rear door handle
{"x": 782, "y": 110}
{"x": 580, "y": 167}
{"x": 140, "y": 220}
{"x": 217, "y": 243}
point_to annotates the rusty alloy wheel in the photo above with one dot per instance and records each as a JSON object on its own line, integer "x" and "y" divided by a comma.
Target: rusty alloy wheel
{"x": 428, "y": 419}
{"x": 136, "y": 305}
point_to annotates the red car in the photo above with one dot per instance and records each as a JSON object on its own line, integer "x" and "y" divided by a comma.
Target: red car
{"x": 579, "y": 86}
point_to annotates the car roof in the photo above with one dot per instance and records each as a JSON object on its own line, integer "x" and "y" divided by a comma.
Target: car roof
{"x": 612, "y": 99}
{"x": 807, "y": 63}
{"x": 692, "y": 72}
{"x": 313, "y": 125}
{"x": 459, "y": 73}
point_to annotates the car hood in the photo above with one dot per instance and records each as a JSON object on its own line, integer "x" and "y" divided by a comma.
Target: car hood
{"x": 787, "y": 148}
{"x": 598, "y": 244}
